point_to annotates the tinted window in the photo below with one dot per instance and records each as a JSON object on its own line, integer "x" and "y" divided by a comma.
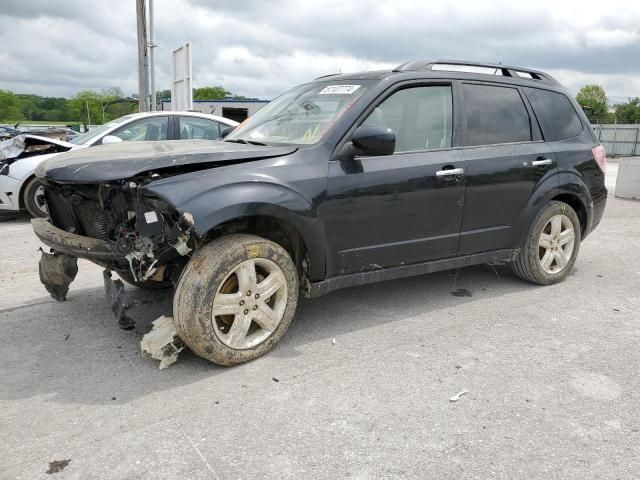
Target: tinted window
{"x": 420, "y": 117}
{"x": 195, "y": 127}
{"x": 557, "y": 116}
{"x": 146, "y": 129}
{"x": 495, "y": 115}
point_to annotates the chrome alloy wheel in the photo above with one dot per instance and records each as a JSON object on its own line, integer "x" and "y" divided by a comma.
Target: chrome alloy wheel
{"x": 556, "y": 244}
{"x": 250, "y": 303}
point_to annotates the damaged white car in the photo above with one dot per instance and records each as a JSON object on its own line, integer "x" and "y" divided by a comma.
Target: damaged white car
{"x": 21, "y": 155}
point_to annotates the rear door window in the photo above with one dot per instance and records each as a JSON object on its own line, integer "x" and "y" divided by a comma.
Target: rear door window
{"x": 495, "y": 115}
{"x": 558, "y": 117}
{"x": 196, "y": 127}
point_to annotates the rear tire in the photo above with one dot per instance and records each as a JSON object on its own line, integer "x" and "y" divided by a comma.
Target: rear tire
{"x": 235, "y": 299}
{"x": 33, "y": 199}
{"x": 551, "y": 246}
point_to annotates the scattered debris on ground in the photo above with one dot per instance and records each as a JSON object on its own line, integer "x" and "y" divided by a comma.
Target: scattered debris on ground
{"x": 462, "y": 292}
{"x": 58, "y": 465}
{"x": 457, "y": 396}
{"x": 162, "y": 342}
{"x": 119, "y": 299}
{"x": 333, "y": 341}
{"x": 275, "y": 379}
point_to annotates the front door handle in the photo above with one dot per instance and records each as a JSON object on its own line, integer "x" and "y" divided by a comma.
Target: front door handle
{"x": 450, "y": 171}
{"x": 541, "y": 162}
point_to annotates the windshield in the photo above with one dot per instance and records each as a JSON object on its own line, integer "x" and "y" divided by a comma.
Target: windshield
{"x": 301, "y": 116}
{"x": 94, "y": 132}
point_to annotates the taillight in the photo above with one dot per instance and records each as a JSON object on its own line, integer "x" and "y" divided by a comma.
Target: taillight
{"x": 601, "y": 156}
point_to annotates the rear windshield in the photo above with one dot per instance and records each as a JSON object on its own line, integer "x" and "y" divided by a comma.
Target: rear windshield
{"x": 558, "y": 118}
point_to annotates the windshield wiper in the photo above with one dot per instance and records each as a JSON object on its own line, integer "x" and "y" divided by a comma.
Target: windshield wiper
{"x": 247, "y": 142}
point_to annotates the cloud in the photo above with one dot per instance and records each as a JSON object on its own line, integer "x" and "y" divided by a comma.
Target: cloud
{"x": 260, "y": 49}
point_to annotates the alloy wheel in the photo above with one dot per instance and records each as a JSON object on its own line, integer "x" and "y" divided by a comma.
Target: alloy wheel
{"x": 250, "y": 303}
{"x": 556, "y": 244}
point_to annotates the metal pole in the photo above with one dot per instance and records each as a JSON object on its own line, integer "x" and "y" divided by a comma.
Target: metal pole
{"x": 635, "y": 142}
{"x": 615, "y": 135}
{"x": 152, "y": 62}
{"x": 143, "y": 88}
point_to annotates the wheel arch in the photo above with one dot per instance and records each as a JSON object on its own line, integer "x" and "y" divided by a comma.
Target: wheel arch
{"x": 565, "y": 187}
{"x": 283, "y": 210}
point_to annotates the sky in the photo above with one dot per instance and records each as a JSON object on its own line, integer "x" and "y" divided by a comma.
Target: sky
{"x": 262, "y": 48}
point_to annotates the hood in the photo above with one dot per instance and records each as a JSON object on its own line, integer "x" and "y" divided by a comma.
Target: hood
{"x": 125, "y": 160}
{"x": 30, "y": 145}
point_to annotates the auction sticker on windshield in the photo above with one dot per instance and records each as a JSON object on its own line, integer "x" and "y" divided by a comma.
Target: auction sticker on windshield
{"x": 339, "y": 90}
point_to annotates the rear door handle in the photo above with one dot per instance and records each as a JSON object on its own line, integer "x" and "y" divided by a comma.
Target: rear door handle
{"x": 450, "y": 171}
{"x": 541, "y": 162}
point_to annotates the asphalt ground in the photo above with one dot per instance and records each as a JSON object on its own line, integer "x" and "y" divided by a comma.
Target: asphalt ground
{"x": 552, "y": 375}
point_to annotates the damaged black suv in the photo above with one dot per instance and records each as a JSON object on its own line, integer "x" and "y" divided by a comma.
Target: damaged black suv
{"x": 346, "y": 180}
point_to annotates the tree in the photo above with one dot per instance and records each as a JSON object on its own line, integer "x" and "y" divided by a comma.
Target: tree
{"x": 628, "y": 112}
{"x": 9, "y": 109}
{"x": 593, "y": 101}
{"x": 86, "y": 106}
{"x": 209, "y": 93}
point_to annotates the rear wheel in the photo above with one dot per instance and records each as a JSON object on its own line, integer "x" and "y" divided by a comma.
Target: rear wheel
{"x": 33, "y": 198}
{"x": 235, "y": 299}
{"x": 551, "y": 246}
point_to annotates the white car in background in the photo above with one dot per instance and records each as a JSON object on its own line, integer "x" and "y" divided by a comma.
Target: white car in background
{"x": 19, "y": 188}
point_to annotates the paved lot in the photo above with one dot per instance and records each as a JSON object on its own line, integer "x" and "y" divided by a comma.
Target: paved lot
{"x": 552, "y": 374}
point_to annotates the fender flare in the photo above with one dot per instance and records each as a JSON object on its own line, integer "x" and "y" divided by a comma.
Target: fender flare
{"x": 563, "y": 183}
{"x": 219, "y": 205}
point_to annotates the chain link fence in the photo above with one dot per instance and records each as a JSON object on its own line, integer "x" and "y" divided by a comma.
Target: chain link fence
{"x": 619, "y": 139}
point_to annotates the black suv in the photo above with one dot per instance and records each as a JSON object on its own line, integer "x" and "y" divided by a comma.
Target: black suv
{"x": 346, "y": 180}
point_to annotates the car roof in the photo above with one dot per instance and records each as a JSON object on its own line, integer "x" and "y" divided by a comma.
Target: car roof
{"x": 224, "y": 120}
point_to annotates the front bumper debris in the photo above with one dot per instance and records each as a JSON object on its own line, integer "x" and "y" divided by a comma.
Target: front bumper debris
{"x": 162, "y": 342}
{"x": 57, "y": 271}
{"x": 74, "y": 245}
{"x": 119, "y": 299}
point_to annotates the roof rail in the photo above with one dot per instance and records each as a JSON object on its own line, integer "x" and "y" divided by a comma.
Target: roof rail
{"x": 505, "y": 70}
{"x": 325, "y": 76}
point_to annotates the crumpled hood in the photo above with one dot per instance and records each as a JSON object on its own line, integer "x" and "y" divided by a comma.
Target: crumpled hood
{"x": 124, "y": 160}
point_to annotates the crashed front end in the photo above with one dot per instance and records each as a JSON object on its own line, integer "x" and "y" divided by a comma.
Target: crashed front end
{"x": 117, "y": 225}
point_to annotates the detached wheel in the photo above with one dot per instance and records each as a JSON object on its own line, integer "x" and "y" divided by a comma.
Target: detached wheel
{"x": 33, "y": 198}
{"x": 146, "y": 284}
{"x": 235, "y": 299}
{"x": 551, "y": 247}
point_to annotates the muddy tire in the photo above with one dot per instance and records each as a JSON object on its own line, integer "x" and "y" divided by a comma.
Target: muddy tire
{"x": 145, "y": 285}
{"x": 551, "y": 246}
{"x": 32, "y": 199}
{"x": 235, "y": 299}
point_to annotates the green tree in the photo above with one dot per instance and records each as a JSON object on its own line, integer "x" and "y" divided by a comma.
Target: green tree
{"x": 209, "y": 93}
{"x": 593, "y": 101}
{"x": 628, "y": 112}
{"x": 9, "y": 108}
{"x": 86, "y": 106}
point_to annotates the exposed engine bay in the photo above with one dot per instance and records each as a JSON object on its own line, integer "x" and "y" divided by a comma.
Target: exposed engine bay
{"x": 148, "y": 237}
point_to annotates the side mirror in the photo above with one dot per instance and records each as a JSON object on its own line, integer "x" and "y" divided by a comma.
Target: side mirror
{"x": 227, "y": 131}
{"x": 374, "y": 141}
{"x": 109, "y": 139}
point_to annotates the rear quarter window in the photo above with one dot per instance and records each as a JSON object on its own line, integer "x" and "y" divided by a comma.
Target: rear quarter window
{"x": 558, "y": 117}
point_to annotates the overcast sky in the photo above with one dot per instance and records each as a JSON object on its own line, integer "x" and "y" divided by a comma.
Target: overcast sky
{"x": 261, "y": 48}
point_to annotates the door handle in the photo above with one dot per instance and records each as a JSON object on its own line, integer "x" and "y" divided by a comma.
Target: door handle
{"x": 541, "y": 162}
{"x": 450, "y": 171}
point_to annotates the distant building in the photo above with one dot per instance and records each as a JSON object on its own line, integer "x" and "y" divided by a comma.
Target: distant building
{"x": 237, "y": 110}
